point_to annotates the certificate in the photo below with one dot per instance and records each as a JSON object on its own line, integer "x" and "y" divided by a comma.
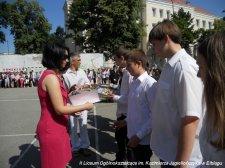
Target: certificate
{"x": 85, "y": 96}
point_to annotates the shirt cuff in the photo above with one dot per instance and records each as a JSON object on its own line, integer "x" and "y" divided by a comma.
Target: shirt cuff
{"x": 139, "y": 135}
{"x": 116, "y": 98}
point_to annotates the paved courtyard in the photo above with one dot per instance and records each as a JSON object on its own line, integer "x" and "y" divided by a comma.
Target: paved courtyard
{"x": 20, "y": 112}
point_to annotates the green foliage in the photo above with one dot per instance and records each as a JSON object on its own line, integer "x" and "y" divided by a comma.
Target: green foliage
{"x": 203, "y": 34}
{"x": 219, "y": 25}
{"x": 185, "y": 23}
{"x": 103, "y": 25}
{"x": 4, "y": 18}
{"x": 224, "y": 16}
{"x": 58, "y": 36}
{"x": 29, "y": 26}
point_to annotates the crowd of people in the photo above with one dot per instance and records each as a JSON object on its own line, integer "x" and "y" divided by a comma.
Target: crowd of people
{"x": 20, "y": 79}
{"x": 177, "y": 112}
{"x": 98, "y": 76}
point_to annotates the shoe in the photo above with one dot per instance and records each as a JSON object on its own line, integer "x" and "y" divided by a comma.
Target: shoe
{"x": 76, "y": 153}
{"x": 85, "y": 152}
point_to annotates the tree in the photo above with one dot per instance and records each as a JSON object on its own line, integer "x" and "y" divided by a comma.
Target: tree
{"x": 103, "y": 25}
{"x": 224, "y": 16}
{"x": 58, "y": 36}
{"x": 219, "y": 25}
{"x": 203, "y": 34}
{"x": 28, "y": 25}
{"x": 4, "y": 18}
{"x": 185, "y": 23}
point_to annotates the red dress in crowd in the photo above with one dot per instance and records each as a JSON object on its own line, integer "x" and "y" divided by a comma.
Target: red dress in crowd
{"x": 52, "y": 130}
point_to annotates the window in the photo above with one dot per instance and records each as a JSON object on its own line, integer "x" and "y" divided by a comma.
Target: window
{"x": 168, "y": 14}
{"x": 154, "y": 12}
{"x": 210, "y": 25}
{"x": 197, "y": 22}
{"x": 203, "y": 23}
{"x": 161, "y": 13}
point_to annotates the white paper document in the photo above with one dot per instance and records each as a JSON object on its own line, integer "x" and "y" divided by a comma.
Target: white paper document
{"x": 85, "y": 96}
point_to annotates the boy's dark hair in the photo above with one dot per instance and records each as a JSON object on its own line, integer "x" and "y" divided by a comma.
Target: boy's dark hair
{"x": 136, "y": 55}
{"x": 166, "y": 27}
{"x": 53, "y": 55}
{"x": 121, "y": 51}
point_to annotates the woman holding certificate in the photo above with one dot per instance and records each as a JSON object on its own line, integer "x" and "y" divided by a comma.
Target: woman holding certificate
{"x": 52, "y": 127}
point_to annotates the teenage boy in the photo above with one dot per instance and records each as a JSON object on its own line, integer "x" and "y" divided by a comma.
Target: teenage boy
{"x": 140, "y": 101}
{"x": 121, "y": 134}
{"x": 177, "y": 112}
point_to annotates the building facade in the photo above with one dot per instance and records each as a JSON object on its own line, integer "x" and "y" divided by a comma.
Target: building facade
{"x": 69, "y": 42}
{"x": 158, "y": 10}
{"x": 154, "y": 12}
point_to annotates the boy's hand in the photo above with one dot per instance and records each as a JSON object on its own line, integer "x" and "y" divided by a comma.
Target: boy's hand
{"x": 133, "y": 142}
{"x": 120, "y": 124}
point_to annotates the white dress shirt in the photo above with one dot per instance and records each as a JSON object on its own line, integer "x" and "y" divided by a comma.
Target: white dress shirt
{"x": 75, "y": 77}
{"x": 140, "y": 101}
{"x": 124, "y": 90}
{"x": 179, "y": 94}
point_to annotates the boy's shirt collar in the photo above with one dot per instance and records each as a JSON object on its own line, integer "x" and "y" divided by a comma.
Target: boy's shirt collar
{"x": 142, "y": 77}
{"x": 172, "y": 61}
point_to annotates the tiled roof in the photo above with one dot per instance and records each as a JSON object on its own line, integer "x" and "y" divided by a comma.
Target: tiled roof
{"x": 187, "y": 3}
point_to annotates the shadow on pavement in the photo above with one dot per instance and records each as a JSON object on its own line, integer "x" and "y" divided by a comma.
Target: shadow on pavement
{"x": 106, "y": 143}
{"x": 29, "y": 160}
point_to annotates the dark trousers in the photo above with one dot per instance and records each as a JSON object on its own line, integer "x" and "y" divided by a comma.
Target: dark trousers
{"x": 121, "y": 139}
{"x": 142, "y": 153}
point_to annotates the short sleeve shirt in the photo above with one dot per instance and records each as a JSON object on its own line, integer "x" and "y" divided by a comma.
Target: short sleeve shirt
{"x": 179, "y": 94}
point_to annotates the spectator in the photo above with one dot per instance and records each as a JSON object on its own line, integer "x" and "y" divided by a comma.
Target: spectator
{"x": 1, "y": 79}
{"x": 113, "y": 76}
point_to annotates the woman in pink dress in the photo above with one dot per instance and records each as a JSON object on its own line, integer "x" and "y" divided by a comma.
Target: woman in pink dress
{"x": 52, "y": 127}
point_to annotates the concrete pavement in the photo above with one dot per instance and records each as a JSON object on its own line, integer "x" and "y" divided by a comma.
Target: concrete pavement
{"x": 20, "y": 112}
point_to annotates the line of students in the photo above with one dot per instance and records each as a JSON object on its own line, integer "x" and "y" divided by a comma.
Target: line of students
{"x": 166, "y": 116}
{"x": 177, "y": 117}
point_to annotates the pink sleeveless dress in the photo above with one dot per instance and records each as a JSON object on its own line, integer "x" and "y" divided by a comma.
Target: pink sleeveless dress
{"x": 52, "y": 130}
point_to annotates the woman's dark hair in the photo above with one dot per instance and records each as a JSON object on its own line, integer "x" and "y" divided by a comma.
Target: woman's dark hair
{"x": 53, "y": 55}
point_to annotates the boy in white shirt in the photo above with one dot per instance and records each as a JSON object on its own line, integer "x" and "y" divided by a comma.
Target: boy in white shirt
{"x": 140, "y": 101}
{"x": 177, "y": 112}
{"x": 121, "y": 134}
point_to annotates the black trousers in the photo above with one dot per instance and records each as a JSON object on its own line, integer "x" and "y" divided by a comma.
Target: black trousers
{"x": 142, "y": 153}
{"x": 122, "y": 140}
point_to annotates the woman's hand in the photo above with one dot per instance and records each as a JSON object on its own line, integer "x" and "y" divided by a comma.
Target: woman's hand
{"x": 89, "y": 106}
